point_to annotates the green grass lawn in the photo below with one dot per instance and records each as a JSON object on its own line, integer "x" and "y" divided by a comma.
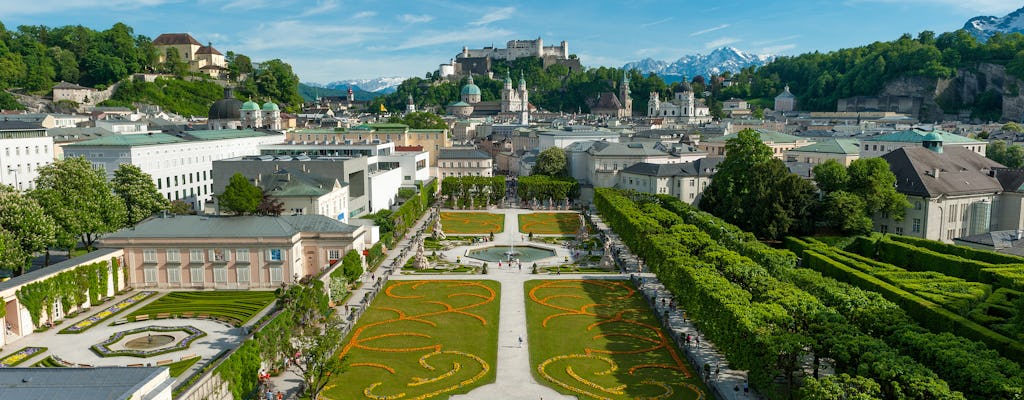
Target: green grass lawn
{"x": 549, "y": 223}
{"x": 421, "y": 340}
{"x": 48, "y": 362}
{"x": 179, "y": 367}
{"x": 237, "y": 306}
{"x": 467, "y": 223}
{"x": 598, "y": 339}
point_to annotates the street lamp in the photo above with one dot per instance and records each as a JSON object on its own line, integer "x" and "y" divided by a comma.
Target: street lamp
{"x": 17, "y": 185}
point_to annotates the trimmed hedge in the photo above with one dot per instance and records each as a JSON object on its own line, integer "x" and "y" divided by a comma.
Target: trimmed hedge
{"x": 970, "y": 253}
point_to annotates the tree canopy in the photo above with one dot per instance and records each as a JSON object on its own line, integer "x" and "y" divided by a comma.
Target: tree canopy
{"x": 851, "y": 196}
{"x": 420, "y": 120}
{"x": 139, "y": 193}
{"x": 240, "y": 196}
{"x": 25, "y": 229}
{"x": 1011, "y": 156}
{"x": 757, "y": 192}
{"x": 551, "y": 162}
{"x": 78, "y": 197}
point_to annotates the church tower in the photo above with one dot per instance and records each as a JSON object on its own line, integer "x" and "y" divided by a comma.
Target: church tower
{"x": 627, "y": 102}
{"x": 653, "y": 105}
{"x": 410, "y": 106}
{"x": 524, "y": 94}
{"x": 351, "y": 96}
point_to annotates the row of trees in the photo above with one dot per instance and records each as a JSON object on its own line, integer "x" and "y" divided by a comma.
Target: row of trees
{"x": 756, "y": 192}
{"x": 71, "y": 203}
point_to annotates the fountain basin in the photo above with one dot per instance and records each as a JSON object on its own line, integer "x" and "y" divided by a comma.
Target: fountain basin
{"x": 523, "y": 253}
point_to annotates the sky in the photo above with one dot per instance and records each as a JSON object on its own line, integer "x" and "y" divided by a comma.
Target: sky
{"x": 330, "y": 40}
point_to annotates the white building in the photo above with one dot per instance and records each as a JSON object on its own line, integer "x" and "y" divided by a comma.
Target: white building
{"x": 464, "y": 162}
{"x": 564, "y": 137}
{"x": 605, "y": 160}
{"x": 181, "y": 165}
{"x": 123, "y": 125}
{"x": 682, "y": 108}
{"x": 685, "y": 181}
{"x": 24, "y": 148}
{"x": 519, "y": 48}
{"x": 876, "y": 146}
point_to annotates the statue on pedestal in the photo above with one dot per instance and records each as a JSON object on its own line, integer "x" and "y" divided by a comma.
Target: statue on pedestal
{"x": 421, "y": 260}
{"x": 438, "y": 230}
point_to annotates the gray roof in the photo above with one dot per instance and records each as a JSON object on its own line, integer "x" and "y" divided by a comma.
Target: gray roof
{"x": 701, "y": 167}
{"x": 582, "y": 145}
{"x": 201, "y": 226}
{"x": 63, "y": 135}
{"x": 1001, "y": 241}
{"x": 14, "y": 125}
{"x": 625, "y": 149}
{"x": 101, "y": 383}
{"x": 54, "y": 269}
{"x": 462, "y": 154}
{"x": 961, "y": 171}
{"x": 1011, "y": 179}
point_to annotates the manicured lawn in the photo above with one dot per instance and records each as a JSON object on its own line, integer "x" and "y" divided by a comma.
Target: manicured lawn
{"x": 466, "y": 223}
{"x": 179, "y": 367}
{"x": 421, "y": 340}
{"x": 549, "y": 223}
{"x": 236, "y": 306}
{"x": 598, "y": 339}
{"x": 48, "y": 362}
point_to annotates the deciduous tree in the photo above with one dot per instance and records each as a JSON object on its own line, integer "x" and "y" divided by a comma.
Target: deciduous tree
{"x": 139, "y": 193}
{"x": 24, "y": 221}
{"x": 78, "y": 197}
{"x": 240, "y": 196}
{"x": 551, "y": 162}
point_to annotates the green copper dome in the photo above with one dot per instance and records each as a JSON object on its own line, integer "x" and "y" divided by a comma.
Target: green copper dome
{"x": 932, "y": 137}
{"x": 270, "y": 106}
{"x": 250, "y": 106}
{"x": 470, "y": 88}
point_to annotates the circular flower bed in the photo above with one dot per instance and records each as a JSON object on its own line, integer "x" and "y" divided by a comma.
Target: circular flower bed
{"x": 103, "y": 349}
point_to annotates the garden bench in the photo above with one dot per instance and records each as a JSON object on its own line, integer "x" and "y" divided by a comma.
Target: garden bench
{"x": 164, "y": 362}
{"x": 134, "y": 365}
{"x": 163, "y": 315}
{"x": 141, "y": 317}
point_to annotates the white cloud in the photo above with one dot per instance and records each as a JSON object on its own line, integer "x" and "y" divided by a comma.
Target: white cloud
{"x": 709, "y": 30}
{"x": 725, "y": 41}
{"x": 415, "y": 19}
{"x": 777, "y": 48}
{"x": 653, "y": 23}
{"x": 494, "y": 16}
{"x": 321, "y": 7}
{"x": 246, "y": 5}
{"x": 435, "y": 38}
{"x": 364, "y": 14}
{"x": 10, "y": 7}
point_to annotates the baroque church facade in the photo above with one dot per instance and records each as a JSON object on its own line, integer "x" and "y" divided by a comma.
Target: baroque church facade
{"x": 683, "y": 107}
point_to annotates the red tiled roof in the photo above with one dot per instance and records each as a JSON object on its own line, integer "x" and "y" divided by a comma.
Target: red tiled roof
{"x": 208, "y": 50}
{"x": 408, "y": 148}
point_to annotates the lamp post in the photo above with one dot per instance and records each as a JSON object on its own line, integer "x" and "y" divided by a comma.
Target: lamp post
{"x": 17, "y": 184}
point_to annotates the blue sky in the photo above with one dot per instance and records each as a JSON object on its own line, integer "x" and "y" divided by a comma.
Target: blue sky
{"x": 327, "y": 40}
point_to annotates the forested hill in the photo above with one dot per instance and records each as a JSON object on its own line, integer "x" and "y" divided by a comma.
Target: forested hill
{"x": 35, "y": 58}
{"x": 817, "y": 79}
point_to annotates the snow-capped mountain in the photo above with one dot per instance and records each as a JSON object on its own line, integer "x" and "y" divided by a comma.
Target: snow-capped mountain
{"x": 383, "y": 85}
{"x": 716, "y": 62}
{"x": 986, "y": 26}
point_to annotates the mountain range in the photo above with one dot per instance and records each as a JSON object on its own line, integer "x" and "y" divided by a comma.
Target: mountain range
{"x": 714, "y": 63}
{"x": 384, "y": 85}
{"x": 984, "y": 27}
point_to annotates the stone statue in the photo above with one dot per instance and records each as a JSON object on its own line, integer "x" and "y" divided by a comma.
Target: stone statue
{"x": 438, "y": 230}
{"x": 471, "y": 198}
{"x": 421, "y": 260}
{"x": 607, "y": 261}
{"x": 584, "y": 232}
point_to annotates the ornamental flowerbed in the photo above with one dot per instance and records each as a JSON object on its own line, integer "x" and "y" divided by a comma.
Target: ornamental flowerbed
{"x": 106, "y": 313}
{"x": 422, "y": 340}
{"x": 235, "y": 307}
{"x": 20, "y": 356}
{"x": 596, "y": 339}
{"x": 103, "y": 350}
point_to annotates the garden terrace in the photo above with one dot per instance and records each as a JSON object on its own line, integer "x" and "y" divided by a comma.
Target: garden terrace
{"x": 472, "y": 223}
{"x": 235, "y": 307}
{"x": 422, "y": 339}
{"x": 598, "y": 339}
{"x": 741, "y": 307}
{"x": 549, "y": 223}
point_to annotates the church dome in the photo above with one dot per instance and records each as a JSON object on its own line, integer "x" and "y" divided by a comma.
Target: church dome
{"x": 684, "y": 86}
{"x": 250, "y": 106}
{"x": 226, "y": 108}
{"x": 270, "y": 106}
{"x": 932, "y": 137}
{"x": 470, "y": 88}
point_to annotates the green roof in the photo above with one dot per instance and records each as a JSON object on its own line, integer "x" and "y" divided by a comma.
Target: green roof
{"x": 918, "y": 136}
{"x": 130, "y": 140}
{"x": 459, "y": 104}
{"x": 220, "y": 134}
{"x": 389, "y": 127}
{"x": 470, "y": 89}
{"x": 250, "y": 106}
{"x": 270, "y": 106}
{"x": 766, "y": 136}
{"x": 832, "y": 146}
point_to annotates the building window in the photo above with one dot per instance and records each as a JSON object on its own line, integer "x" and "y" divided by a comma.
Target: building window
{"x": 174, "y": 274}
{"x": 149, "y": 255}
{"x": 220, "y": 274}
{"x": 916, "y": 228}
{"x": 149, "y": 274}
{"x": 692, "y": 196}
{"x": 899, "y": 230}
{"x": 884, "y": 229}
{"x": 276, "y": 255}
{"x": 276, "y": 274}
{"x": 220, "y": 255}
{"x": 195, "y": 256}
{"x": 242, "y": 255}
{"x": 917, "y": 205}
{"x": 243, "y": 274}
{"x": 173, "y": 255}
{"x": 333, "y": 255}
{"x": 196, "y": 275}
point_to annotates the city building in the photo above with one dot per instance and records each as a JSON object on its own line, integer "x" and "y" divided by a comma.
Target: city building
{"x": 478, "y": 61}
{"x": 24, "y": 148}
{"x": 685, "y": 181}
{"x": 563, "y": 137}
{"x": 953, "y": 192}
{"x": 192, "y": 52}
{"x": 97, "y": 383}
{"x": 876, "y": 146}
{"x": 238, "y": 252}
{"x": 430, "y": 140}
{"x": 71, "y": 92}
{"x": 464, "y": 161}
{"x": 180, "y": 164}
{"x": 604, "y": 160}
{"x": 785, "y": 101}
{"x": 609, "y": 105}
{"x": 843, "y": 150}
{"x": 682, "y": 108}
{"x": 778, "y": 141}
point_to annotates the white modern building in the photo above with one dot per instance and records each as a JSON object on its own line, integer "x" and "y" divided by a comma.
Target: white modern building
{"x": 181, "y": 165}
{"x": 24, "y": 148}
{"x": 566, "y": 136}
{"x": 467, "y": 161}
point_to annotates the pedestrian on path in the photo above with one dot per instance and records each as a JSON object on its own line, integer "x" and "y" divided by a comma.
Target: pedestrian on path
{"x": 520, "y": 342}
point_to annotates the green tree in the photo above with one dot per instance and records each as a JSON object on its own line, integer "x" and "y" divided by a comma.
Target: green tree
{"x": 173, "y": 63}
{"x": 238, "y": 65}
{"x": 352, "y": 266}
{"x": 1011, "y": 156}
{"x": 757, "y": 192}
{"x": 845, "y": 211}
{"x": 874, "y": 182}
{"x": 269, "y": 205}
{"x": 551, "y": 162}
{"x": 180, "y": 207}
{"x": 420, "y": 120}
{"x": 102, "y": 69}
{"x": 840, "y": 387}
{"x": 24, "y": 221}
{"x": 139, "y": 193}
{"x": 321, "y": 359}
{"x": 275, "y": 79}
{"x": 830, "y": 176}
{"x": 1012, "y": 127}
{"x": 78, "y": 197}
{"x": 240, "y": 196}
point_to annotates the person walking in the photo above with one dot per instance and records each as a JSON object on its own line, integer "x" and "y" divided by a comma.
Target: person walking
{"x": 520, "y": 342}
